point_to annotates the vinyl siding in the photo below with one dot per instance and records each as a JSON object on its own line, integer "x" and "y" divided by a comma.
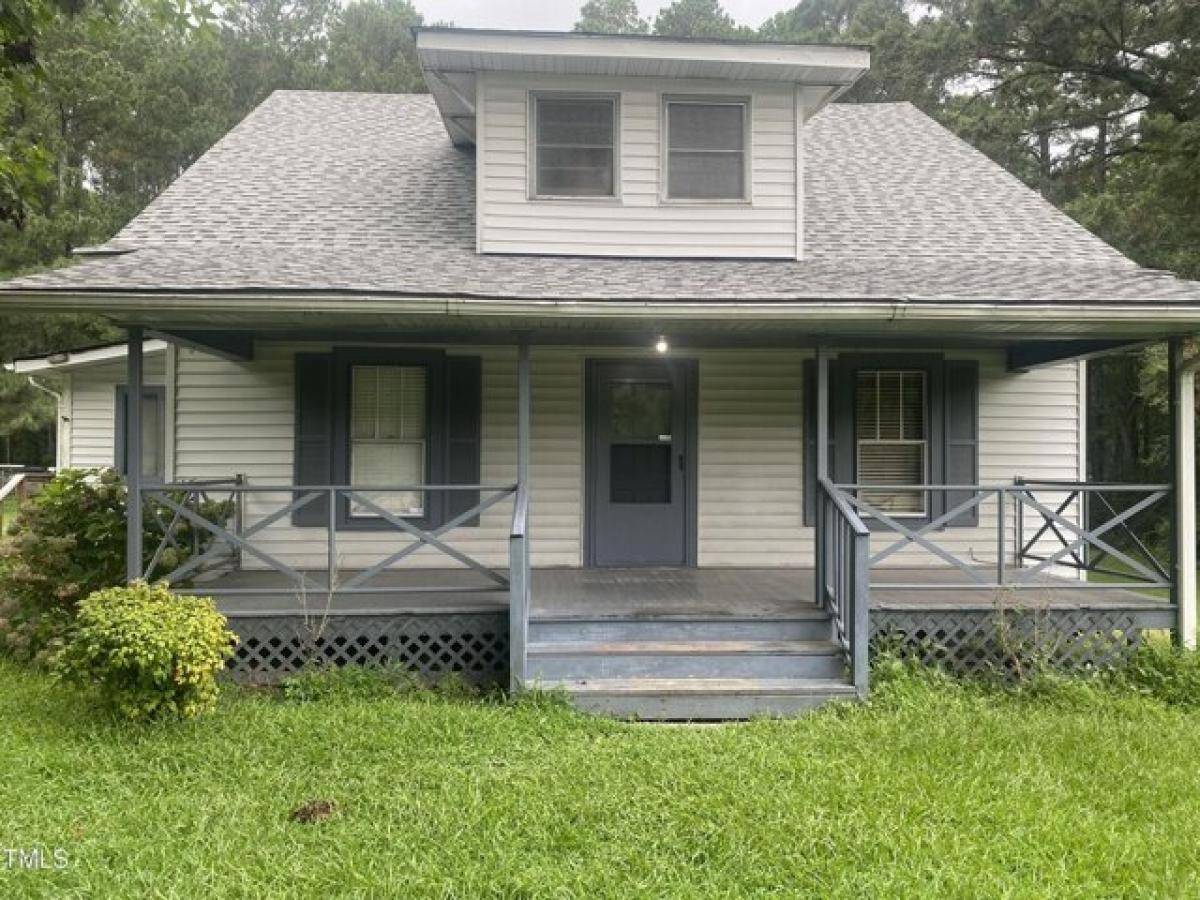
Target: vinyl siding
{"x": 90, "y": 405}
{"x": 637, "y": 222}
{"x": 237, "y": 418}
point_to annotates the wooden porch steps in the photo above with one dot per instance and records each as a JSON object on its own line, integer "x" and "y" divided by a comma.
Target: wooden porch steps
{"x": 703, "y": 699}
{"x": 678, "y": 667}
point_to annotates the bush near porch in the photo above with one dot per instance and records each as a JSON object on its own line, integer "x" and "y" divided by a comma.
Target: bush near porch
{"x": 934, "y": 788}
{"x": 67, "y": 542}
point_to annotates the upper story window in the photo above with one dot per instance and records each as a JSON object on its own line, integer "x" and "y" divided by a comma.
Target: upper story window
{"x": 706, "y": 149}
{"x": 574, "y": 145}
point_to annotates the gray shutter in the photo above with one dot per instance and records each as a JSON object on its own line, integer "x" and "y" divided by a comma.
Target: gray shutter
{"x": 962, "y": 435}
{"x": 464, "y": 415}
{"x": 314, "y": 433}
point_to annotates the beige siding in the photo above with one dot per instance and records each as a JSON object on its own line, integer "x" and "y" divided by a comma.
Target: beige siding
{"x": 637, "y": 223}
{"x": 237, "y": 418}
{"x": 90, "y": 403}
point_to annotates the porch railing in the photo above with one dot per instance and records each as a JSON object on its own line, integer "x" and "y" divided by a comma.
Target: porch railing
{"x": 205, "y": 525}
{"x": 1040, "y": 530}
{"x": 842, "y": 581}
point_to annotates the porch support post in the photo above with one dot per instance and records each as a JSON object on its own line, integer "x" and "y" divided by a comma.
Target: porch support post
{"x": 820, "y": 523}
{"x": 524, "y": 411}
{"x": 822, "y": 411}
{"x": 133, "y": 453}
{"x": 1182, "y": 374}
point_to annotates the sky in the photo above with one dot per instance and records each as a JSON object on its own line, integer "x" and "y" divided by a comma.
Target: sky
{"x": 560, "y": 15}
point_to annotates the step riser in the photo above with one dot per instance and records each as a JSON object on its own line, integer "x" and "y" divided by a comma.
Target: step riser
{"x": 664, "y": 630}
{"x": 736, "y": 665}
{"x": 702, "y": 708}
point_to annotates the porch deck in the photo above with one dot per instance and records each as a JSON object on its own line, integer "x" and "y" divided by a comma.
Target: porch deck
{"x": 647, "y": 593}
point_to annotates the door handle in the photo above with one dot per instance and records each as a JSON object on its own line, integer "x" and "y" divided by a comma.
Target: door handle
{"x": 681, "y": 465}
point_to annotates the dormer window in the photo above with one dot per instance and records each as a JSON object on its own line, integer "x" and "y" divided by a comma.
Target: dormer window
{"x": 706, "y": 148}
{"x": 574, "y": 145}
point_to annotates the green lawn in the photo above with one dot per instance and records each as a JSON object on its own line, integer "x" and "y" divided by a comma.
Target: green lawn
{"x": 929, "y": 791}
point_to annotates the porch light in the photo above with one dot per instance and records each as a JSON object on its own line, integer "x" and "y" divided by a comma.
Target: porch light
{"x": 661, "y": 344}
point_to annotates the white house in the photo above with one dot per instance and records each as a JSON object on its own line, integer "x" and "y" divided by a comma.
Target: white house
{"x": 635, "y": 365}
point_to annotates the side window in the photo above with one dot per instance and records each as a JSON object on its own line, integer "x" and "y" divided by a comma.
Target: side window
{"x": 706, "y": 156}
{"x": 574, "y": 146}
{"x": 153, "y": 432}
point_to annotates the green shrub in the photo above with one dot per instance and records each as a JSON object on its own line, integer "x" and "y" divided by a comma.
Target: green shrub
{"x": 1164, "y": 671}
{"x": 151, "y": 653}
{"x": 67, "y": 542}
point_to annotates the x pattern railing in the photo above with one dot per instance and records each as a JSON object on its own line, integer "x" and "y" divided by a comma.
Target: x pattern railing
{"x": 1078, "y": 529}
{"x": 221, "y": 536}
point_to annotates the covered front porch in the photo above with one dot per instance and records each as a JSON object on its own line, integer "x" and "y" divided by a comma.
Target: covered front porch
{"x": 460, "y": 591}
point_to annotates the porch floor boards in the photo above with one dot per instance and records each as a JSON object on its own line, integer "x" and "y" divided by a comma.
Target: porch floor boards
{"x": 641, "y": 594}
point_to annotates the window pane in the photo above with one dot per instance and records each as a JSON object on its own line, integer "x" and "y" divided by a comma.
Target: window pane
{"x": 706, "y": 126}
{"x": 152, "y": 436}
{"x": 387, "y": 430}
{"x": 640, "y": 410}
{"x": 705, "y": 176}
{"x": 640, "y": 473}
{"x": 575, "y": 122}
{"x": 574, "y": 147}
{"x": 380, "y": 463}
{"x": 893, "y": 464}
{"x": 890, "y": 426}
{"x": 568, "y": 172}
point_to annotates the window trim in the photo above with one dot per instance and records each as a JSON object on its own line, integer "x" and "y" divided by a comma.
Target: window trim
{"x": 344, "y": 361}
{"x": 614, "y": 98}
{"x": 120, "y": 414}
{"x": 664, "y": 130}
{"x": 925, "y": 443}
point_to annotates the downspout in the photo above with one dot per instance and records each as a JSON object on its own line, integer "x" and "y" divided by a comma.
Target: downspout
{"x": 1185, "y": 500}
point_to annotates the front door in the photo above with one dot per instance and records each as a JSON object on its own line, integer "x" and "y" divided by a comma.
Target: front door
{"x": 640, "y": 463}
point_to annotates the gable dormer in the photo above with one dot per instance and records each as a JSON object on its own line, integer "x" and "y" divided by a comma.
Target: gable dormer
{"x": 602, "y": 145}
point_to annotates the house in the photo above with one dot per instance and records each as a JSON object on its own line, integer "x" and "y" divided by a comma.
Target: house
{"x": 89, "y": 387}
{"x": 632, "y": 365}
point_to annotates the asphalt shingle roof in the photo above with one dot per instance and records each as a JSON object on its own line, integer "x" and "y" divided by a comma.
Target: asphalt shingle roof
{"x": 364, "y": 193}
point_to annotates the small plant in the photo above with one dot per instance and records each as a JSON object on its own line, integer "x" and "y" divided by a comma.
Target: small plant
{"x": 317, "y": 683}
{"x": 150, "y": 653}
{"x": 1160, "y": 669}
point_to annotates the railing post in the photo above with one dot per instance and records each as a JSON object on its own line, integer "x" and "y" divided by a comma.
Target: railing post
{"x": 518, "y": 612}
{"x": 1000, "y": 528}
{"x": 331, "y": 563}
{"x": 133, "y": 453}
{"x": 861, "y": 626}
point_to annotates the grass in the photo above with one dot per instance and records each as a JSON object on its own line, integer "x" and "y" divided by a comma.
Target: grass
{"x": 932, "y": 789}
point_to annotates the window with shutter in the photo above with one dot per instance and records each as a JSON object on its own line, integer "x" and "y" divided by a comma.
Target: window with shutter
{"x": 892, "y": 438}
{"x": 388, "y": 435}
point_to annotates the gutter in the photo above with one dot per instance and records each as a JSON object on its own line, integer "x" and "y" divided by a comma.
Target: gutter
{"x": 826, "y": 310}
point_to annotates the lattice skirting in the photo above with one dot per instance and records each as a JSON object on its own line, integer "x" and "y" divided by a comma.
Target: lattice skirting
{"x": 473, "y": 645}
{"x": 987, "y": 640}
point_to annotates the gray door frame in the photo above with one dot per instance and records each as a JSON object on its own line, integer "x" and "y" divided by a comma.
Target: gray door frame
{"x": 690, "y": 370}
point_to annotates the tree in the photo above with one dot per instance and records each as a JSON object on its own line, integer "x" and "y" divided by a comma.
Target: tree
{"x": 912, "y": 58}
{"x": 371, "y": 48}
{"x": 699, "y": 19}
{"x": 611, "y": 17}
